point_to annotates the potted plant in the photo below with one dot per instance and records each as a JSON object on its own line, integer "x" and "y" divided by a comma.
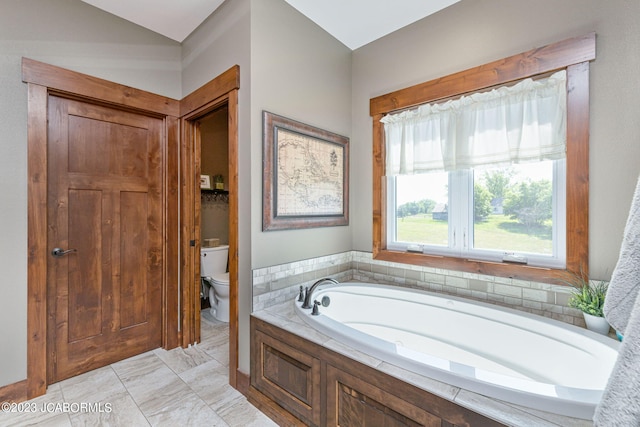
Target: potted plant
{"x": 589, "y": 298}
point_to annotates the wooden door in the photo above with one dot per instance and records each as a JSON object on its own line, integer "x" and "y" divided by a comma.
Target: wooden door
{"x": 105, "y": 208}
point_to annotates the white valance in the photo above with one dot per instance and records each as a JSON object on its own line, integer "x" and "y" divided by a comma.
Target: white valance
{"x": 517, "y": 124}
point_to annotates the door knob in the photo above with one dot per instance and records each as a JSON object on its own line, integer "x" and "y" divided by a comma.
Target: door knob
{"x": 59, "y": 252}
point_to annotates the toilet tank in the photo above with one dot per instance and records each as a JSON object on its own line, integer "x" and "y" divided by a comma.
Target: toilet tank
{"x": 213, "y": 260}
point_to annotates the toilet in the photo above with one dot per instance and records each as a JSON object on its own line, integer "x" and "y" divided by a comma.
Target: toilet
{"x": 213, "y": 270}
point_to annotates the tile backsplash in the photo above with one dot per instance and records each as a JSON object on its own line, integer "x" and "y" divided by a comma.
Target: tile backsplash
{"x": 279, "y": 283}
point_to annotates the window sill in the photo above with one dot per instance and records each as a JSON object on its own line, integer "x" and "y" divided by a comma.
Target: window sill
{"x": 488, "y": 268}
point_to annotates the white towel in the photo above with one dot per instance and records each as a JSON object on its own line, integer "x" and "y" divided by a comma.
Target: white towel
{"x": 625, "y": 280}
{"x": 620, "y": 404}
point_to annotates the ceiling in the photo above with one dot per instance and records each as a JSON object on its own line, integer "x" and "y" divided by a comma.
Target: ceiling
{"x": 353, "y": 22}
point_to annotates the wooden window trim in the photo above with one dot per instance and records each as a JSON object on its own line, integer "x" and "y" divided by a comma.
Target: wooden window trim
{"x": 573, "y": 55}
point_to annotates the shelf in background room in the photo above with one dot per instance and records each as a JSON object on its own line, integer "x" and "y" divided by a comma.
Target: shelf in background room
{"x": 214, "y": 195}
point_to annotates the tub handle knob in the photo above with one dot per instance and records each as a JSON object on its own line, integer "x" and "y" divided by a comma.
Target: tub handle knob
{"x": 301, "y": 295}
{"x": 315, "y": 311}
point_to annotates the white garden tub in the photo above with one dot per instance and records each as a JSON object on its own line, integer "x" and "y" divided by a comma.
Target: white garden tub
{"x": 514, "y": 356}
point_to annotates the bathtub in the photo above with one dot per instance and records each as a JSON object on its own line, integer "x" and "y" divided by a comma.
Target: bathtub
{"x": 505, "y": 354}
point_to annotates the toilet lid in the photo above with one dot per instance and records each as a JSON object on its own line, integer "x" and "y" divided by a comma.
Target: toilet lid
{"x": 222, "y": 279}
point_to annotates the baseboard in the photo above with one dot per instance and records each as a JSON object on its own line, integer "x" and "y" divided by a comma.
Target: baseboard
{"x": 271, "y": 409}
{"x": 267, "y": 406}
{"x": 16, "y": 392}
{"x": 243, "y": 382}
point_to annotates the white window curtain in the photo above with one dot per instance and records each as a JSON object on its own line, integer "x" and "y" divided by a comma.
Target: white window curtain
{"x": 522, "y": 123}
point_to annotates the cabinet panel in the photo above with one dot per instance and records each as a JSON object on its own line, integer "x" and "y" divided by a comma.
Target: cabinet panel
{"x": 288, "y": 373}
{"x": 289, "y": 376}
{"x": 354, "y": 402}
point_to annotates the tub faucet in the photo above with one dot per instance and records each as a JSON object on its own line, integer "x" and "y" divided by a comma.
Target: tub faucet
{"x": 309, "y": 293}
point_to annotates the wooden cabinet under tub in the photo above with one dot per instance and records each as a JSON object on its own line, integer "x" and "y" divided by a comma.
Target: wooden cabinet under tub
{"x": 352, "y": 401}
{"x": 298, "y": 382}
{"x": 288, "y": 376}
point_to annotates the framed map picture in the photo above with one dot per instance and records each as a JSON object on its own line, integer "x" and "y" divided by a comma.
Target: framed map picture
{"x": 306, "y": 175}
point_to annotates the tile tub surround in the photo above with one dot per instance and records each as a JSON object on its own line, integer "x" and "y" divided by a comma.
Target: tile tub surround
{"x": 279, "y": 283}
{"x": 283, "y": 315}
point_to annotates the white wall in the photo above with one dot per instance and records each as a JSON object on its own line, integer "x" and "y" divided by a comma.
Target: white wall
{"x": 73, "y": 35}
{"x": 474, "y": 32}
{"x": 219, "y": 43}
{"x": 300, "y": 72}
{"x": 288, "y": 66}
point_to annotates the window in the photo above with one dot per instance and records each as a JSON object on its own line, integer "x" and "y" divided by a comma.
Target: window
{"x": 481, "y": 176}
{"x": 515, "y": 214}
{"x": 448, "y": 210}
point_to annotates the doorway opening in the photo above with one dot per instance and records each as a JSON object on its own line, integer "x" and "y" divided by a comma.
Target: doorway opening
{"x": 209, "y": 120}
{"x": 213, "y": 212}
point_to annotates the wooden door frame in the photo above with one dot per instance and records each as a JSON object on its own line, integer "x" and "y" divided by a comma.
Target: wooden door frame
{"x": 222, "y": 90}
{"x": 42, "y": 80}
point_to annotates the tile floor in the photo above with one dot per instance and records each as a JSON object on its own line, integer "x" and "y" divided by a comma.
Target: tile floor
{"x": 180, "y": 387}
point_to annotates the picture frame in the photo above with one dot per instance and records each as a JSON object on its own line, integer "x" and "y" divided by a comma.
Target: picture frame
{"x": 305, "y": 175}
{"x": 205, "y": 182}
